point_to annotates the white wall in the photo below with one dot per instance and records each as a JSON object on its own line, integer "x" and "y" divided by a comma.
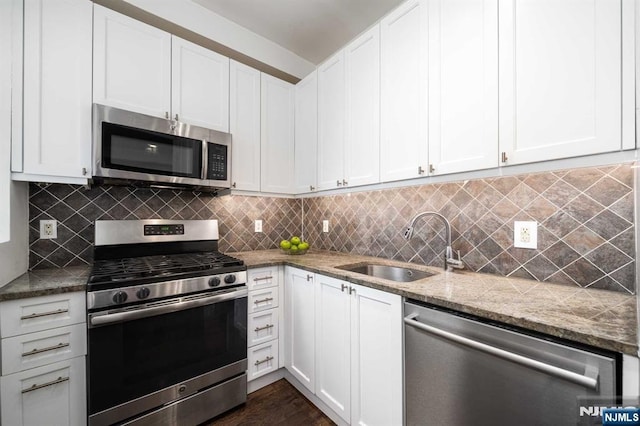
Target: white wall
{"x": 14, "y": 247}
{"x": 201, "y": 20}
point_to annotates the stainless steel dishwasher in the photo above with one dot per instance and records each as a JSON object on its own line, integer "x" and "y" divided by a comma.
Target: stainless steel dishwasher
{"x": 460, "y": 371}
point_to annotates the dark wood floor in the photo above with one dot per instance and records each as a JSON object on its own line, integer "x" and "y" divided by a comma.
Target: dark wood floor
{"x": 276, "y": 404}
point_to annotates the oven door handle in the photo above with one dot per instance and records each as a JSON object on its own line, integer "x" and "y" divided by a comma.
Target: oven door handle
{"x": 111, "y": 317}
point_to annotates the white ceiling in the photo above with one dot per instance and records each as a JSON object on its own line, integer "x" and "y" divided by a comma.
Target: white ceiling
{"x": 312, "y": 29}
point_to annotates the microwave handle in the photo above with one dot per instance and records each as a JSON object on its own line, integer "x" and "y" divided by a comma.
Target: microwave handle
{"x": 205, "y": 160}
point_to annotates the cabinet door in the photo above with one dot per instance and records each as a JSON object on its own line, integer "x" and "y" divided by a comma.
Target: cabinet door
{"x": 199, "y": 85}
{"x": 244, "y": 125}
{"x": 362, "y": 144}
{"x": 333, "y": 361}
{"x": 131, "y": 64}
{"x": 463, "y": 85}
{"x": 403, "y": 96}
{"x": 300, "y": 330}
{"x": 52, "y": 395}
{"x": 306, "y": 138}
{"x": 57, "y": 87}
{"x": 560, "y": 78}
{"x": 331, "y": 119}
{"x": 276, "y": 143}
{"x": 376, "y": 357}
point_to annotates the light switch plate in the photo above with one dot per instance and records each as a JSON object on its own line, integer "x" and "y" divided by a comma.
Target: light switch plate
{"x": 325, "y": 226}
{"x": 258, "y": 225}
{"x": 525, "y": 234}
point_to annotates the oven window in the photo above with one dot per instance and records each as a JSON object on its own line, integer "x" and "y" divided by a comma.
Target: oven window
{"x": 131, "y": 359}
{"x": 126, "y": 148}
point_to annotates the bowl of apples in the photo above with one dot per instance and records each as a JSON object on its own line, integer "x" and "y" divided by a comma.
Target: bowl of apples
{"x": 294, "y": 246}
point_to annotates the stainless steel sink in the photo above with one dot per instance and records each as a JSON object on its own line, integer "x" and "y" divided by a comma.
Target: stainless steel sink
{"x": 392, "y": 273}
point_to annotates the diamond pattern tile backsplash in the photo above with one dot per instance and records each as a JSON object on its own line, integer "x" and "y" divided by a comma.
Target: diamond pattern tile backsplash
{"x": 585, "y": 225}
{"x": 585, "y": 218}
{"x": 76, "y": 209}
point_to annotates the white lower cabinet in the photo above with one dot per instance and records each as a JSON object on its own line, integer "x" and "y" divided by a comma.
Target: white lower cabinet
{"x": 43, "y": 361}
{"x": 355, "y": 335}
{"x": 300, "y": 348}
{"x": 51, "y": 395}
{"x": 264, "y": 317}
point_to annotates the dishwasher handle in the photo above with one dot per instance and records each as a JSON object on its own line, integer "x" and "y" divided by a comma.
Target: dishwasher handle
{"x": 588, "y": 380}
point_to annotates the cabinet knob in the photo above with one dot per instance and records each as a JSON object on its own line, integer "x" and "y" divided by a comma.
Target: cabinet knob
{"x": 166, "y": 114}
{"x": 338, "y": 183}
{"x": 504, "y": 157}
{"x": 312, "y": 188}
{"x": 177, "y": 119}
{"x": 343, "y": 287}
{"x": 233, "y": 185}
{"x": 431, "y": 168}
{"x": 344, "y": 182}
{"x": 420, "y": 170}
{"x": 84, "y": 171}
{"x": 352, "y": 290}
{"x": 309, "y": 277}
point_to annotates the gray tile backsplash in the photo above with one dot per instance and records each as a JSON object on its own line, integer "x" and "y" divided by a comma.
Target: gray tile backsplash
{"x": 586, "y": 234}
{"x": 76, "y": 208}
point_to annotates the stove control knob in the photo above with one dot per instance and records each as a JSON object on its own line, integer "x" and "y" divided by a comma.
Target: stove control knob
{"x": 230, "y": 279}
{"x": 214, "y": 282}
{"x": 119, "y": 297}
{"x": 143, "y": 293}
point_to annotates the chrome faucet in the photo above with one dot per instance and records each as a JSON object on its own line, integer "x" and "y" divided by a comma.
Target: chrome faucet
{"x": 450, "y": 262}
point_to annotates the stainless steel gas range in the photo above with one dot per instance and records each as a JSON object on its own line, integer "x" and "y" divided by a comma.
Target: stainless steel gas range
{"x": 167, "y": 324}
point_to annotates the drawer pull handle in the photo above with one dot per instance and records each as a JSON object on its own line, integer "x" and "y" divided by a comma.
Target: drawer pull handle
{"x": 44, "y": 314}
{"x": 50, "y": 348}
{"x": 263, "y": 278}
{"x": 44, "y": 385}
{"x": 266, "y": 327}
{"x": 266, "y": 299}
{"x": 257, "y": 363}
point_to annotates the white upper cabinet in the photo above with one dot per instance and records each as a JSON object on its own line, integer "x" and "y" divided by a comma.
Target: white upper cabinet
{"x": 200, "y": 85}
{"x": 306, "y": 133}
{"x": 463, "y": 85}
{"x": 57, "y": 89}
{"x": 244, "y": 125}
{"x": 560, "y": 78}
{"x": 276, "y": 145}
{"x": 331, "y": 122}
{"x": 404, "y": 120}
{"x": 362, "y": 75}
{"x": 131, "y": 64}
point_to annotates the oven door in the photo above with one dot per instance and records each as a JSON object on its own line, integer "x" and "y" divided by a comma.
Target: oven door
{"x": 146, "y": 356}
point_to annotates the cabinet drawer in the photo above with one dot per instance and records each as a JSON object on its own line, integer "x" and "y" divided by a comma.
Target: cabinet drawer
{"x": 50, "y": 395}
{"x": 43, "y": 347}
{"x": 264, "y": 299}
{"x": 263, "y": 359}
{"x": 263, "y": 326}
{"x": 41, "y": 313}
{"x": 262, "y": 278}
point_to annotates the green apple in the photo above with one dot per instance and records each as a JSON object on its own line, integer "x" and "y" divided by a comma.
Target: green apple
{"x": 295, "y": 241}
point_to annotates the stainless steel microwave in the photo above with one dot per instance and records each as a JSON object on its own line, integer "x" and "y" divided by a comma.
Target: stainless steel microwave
{"x": 143, "y": 150}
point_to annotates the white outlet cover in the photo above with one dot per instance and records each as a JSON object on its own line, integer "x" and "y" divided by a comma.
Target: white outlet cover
{"x": 48, "y": 229}
{"x": 525, "y": 234}
{"x": 325, "y": 226}
{"x": 258, "y": 225}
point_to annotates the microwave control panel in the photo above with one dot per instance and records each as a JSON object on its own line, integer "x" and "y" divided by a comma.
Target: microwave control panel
{"x": 217, "y": 162}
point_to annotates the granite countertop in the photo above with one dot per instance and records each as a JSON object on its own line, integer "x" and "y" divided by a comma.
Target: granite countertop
{"x": 604, "y": 319}
{"x": 42, "y": 282}
{"x": 600, "y": 318}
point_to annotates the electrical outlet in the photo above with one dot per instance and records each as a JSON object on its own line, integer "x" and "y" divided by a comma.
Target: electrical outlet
{"x": 325, "y": 226}
{"x": 525, "y": 234}
{"x": 48, "y": 229}
{"x": 258, "y": 225}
